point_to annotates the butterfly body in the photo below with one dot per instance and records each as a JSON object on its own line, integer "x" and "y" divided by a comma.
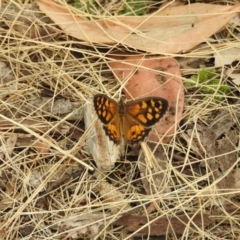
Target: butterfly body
{"x": 131, "y": 121}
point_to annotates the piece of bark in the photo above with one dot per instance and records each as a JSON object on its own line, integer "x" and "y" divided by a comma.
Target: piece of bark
{"x": 104, "y": 151}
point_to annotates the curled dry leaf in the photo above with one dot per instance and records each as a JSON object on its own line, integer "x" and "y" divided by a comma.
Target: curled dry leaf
{"x": 111, "y": 194}
{"x": 42, "y": 147}
{"x": 5, "y": 74}
{"x": 169, "y": 30}
{"x": 34, "y": 178}
{"x": 153, "y": 76}
{"x": 7, "y": 149}
{"x": 85, "y": 224}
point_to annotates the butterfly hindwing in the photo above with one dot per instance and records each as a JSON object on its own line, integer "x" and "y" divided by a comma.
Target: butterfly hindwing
{"x": 112, "y": 130}
{"x": 135, "y": 132}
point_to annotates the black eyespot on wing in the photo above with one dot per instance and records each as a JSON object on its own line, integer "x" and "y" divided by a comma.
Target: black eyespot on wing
{"x": 136, "y": 133}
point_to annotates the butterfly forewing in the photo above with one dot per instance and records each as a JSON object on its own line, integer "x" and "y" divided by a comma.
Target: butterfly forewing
{"x": 105, "y": 107}
{"x": 147, "y": 111}
{"x": 107, "y": 111}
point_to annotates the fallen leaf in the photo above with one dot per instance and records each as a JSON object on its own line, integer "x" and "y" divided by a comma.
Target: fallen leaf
{"x": 234, "y": 75}
{"x": 169, "y": 30}
{"x": 226, "y": 56}
{"x": 42, "y": 147}
{"x": 82, "y": 224}
{"x": 153, "y": 76}
{"x": 236, "y": 79}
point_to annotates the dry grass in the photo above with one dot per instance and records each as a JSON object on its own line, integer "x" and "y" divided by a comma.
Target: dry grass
{"x": 48, "y": 190}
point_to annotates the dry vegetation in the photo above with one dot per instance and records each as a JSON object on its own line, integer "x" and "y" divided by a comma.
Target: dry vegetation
{"x": 48, "y": 190}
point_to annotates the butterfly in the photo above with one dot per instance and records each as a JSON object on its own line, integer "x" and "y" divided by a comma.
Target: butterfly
{"x": 132, "y": 120}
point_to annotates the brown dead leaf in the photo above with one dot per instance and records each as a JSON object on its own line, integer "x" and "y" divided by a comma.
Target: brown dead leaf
{"x": 158, "y": 226}
{"x": 42, "y": 147}
{"x": 110, "y": 193}
{"x": 153, "y": 76}
{"x": 169, "y": 30}
{"x": 218, "y": 140}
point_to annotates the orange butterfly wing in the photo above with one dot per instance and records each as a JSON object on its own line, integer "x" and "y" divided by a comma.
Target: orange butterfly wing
{"x": 133, "y": 120}
{"x": 141, "y": 115}
{"x": 107, "y": 111}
